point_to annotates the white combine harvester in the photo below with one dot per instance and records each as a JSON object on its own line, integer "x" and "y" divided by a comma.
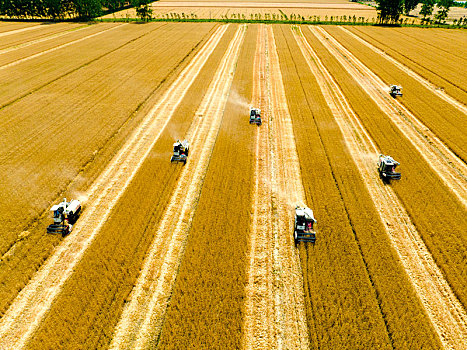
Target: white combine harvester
{"x": 395, "y": 90}
{"x": 304, "y": 221}
{"x": 386, "y": 168}
{"x": 255, "y": 116}
{"x": 65, "y": 215}
{"x": 181, "y": 149}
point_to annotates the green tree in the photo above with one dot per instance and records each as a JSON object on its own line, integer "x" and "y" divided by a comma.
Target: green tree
{"x": 409, "y": 5}
{"x": 88, "y": 9}
{"x": 389, "y": 11}
{"x": 443, "y": 9}
{"x": 427, "y": 9}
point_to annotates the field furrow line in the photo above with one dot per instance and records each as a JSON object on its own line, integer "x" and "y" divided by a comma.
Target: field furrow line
{"x": 142, "y": 318}
{"x": 31, "y": 304}
{"x": 443, "y": 308}
{"x": 450, "y": 168}
{"x": 14, "y": 63}
{"x": 433, "y": 88}
{"x": 16, "y": 31}
{"x": 47, "y": 38}
{"x": 275, "y": 316}
{"x": 259, "y": 305}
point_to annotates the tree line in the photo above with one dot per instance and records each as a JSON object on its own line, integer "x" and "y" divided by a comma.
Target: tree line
{"x": 63, "y": 9}
{"x": 390, "y": 11}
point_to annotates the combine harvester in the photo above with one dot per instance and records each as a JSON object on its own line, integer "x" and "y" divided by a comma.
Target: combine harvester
{"x": 65, "y": 215}
{"x": 395, "y": 90}
{"x": 304, "y": 221}
{"x": 181, "y": 149}
{"x": 386, "y": 168}
{"x": 255, "y": 116}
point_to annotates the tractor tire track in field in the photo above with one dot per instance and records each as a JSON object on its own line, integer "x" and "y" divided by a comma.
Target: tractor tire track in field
{"x": 21, "y": 60}
{"x": 142, "y": 318}
{"x": 443, "y": 308}
{"x": 275, "y": 314}
{"x": 440, "y": 93}
{"x": 16, "y": 31}
{"x": 31, "y": 304}
{"x": 450, "y": 168}
{"x": 40, "y": 40}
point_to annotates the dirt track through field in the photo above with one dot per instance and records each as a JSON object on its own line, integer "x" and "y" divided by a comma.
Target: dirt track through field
{"x": 440, "y": 93}
{"x": 275, "y": 316}
{"x": 451, "y": 169}
{"x": 40, "y": 40}
{"x": 142, "y": 318}
{"x": 14, "y": 63}
{"x": 31, "y": 304}
{"x": 443, "y": 308}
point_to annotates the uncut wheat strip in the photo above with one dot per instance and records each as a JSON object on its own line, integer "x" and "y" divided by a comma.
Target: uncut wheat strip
{"x": 443, "y": 308}
{"x": 143, "y": 316}
{"x": 40, "y": 40}
{"x": 287, "y": 190}
{"x": 31, "y": 304}
{"x": 14, "y": 63}
{"x": 19, "y": 30}
{"x": 259, "y": 305}
{"x": 440, "y": 93}
{"x": 451, "y": 169}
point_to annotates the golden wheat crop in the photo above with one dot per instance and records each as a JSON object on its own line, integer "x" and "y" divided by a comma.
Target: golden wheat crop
{"x": 437, "y": 214}
{"x": 116, "y": 256}
{"x": 441, "y": 67}
{"x": 67, "y": 141}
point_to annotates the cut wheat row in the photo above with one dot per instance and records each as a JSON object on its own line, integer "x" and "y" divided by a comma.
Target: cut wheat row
{"x": 30, "y": 306}
{"x": 143, "y": 316}
{"x": 444, "y": 310}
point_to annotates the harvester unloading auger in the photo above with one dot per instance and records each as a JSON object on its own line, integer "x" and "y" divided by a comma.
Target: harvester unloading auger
{"x": 386, "y": 168}
{"x": 181, "y": 149}
{"x": 303, "y": 228}
{"x": 65, "y": 215}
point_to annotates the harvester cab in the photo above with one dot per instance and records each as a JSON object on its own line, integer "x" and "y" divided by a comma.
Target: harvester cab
{"x": 386, "y": 168}
{"x": 304, "y": 221}
{"x": 181, "y": 149}
{"x": 255, "y": 116}
{"x": 65, "y": 215}
{"x": 395, "y": 90}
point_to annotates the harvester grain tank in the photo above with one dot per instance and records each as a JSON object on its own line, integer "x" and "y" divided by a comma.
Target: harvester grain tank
{"x": 65, "y": 215}
{"x": 395, "y": 90}
{"x": 255, "y": 116}
{"x": 303, "y": 228}
{"x": 180, "y": 151}
{"x": 386, "y": 168}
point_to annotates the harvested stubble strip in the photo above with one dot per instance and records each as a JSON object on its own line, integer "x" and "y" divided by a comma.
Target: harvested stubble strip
{"x": 85, "y": 126}
{"x": 437, "y": 66}
{"x": 443, "y": 119}
{"x": 206, "y": 309}
{"x": 437, "y": 214}
{"x": 343, "y": 309}
{"x": 405, "y": 316}
{"x": 92, "y": 300}
{"x": 43, "y": 31}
